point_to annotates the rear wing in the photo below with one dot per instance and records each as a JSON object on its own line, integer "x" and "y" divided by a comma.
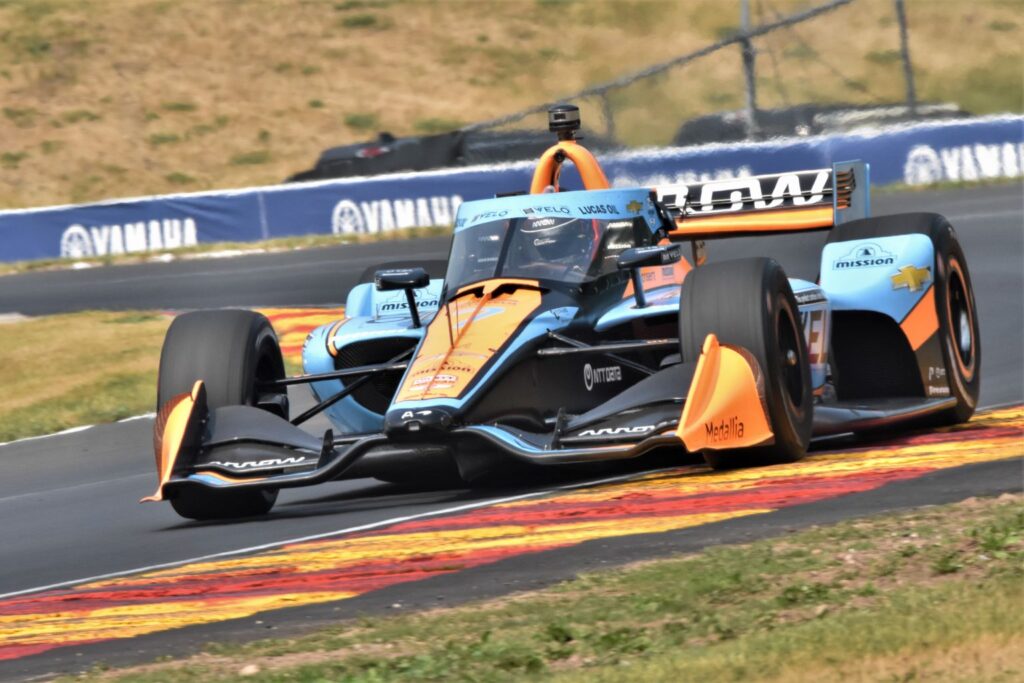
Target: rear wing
{"x": 767, "y": 204}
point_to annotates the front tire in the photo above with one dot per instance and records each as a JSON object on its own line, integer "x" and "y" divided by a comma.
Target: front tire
{"x": 959, "y": 335}
{"x": 749, "y": 303}
{"x": 232, "y": 351}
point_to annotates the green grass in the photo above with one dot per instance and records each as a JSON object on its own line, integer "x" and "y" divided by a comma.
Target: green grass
{"x": 361, "y": 121}
{"x": 22, "y": 118}
{"x": 77, "y": 115}
{"x": 796, "y": 608}
{"x": 179, "y": 106}
{"x": 259, "y": 156}
{"x": 883, "y": 57}
{"x": 157, "y": 139}
{"x": 363, "y": 21}
{"x": 12, "y": 159}
{"x": 107, "y": 373}
{"x": 51, "y": 146}
{"x": 437, "y": 125}
{"x": 178, "y": 178}
{"x": 456, "y": 62}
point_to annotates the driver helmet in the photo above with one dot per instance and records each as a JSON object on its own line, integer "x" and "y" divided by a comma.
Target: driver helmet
{"x": 562, "y": 240}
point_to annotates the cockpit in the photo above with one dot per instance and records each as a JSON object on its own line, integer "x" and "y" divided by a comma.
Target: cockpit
{"x": 552, "y": 238}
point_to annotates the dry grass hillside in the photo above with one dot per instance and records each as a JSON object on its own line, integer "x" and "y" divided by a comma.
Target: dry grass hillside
{"x": 108, "y": 98}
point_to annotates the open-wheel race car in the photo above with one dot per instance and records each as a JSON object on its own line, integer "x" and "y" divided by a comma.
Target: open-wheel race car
{"x": 569, "y": 327}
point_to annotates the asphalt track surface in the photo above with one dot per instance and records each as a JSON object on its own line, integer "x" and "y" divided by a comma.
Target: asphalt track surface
{"x": 69, "y": 502}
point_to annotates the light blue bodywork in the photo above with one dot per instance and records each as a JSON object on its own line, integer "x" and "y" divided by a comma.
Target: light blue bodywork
{"x": 660, "y": 301}
{"x": 601, "y": 204}
{"x": 871, "y": 288}
{"x": 371, "y": 314}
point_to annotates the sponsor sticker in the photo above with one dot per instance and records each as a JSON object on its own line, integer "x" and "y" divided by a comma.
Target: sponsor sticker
{"x": 810, "y": 296}
{"x": 531, "y": 210}
{"x": 867, "y": 255}
{"x": 489, "y": 215}
{"x": 257, "y": 464}
{"x": 814, "y": 333}
{"x": 617, "y": 431}
{"x": 593, "y": 376}
{"x": 723, "y": 430}
{"x": 912, "y": 278}
{"x": 592, "y": 209}
{"x": 724, "y": 196}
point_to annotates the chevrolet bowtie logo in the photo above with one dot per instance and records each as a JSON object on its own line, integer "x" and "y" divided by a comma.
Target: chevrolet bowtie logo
{"x": 634, "y": 206}
{"x": 911, "y": 277}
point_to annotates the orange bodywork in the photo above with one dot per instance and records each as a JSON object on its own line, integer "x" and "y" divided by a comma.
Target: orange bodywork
{"x": 169, "y": 433}
{"x": 725, "y": 407}
{"x": 787, "y": 220}
{"x": 922, "y": 321}
{"x": 332, "y": 334}
{"x": 550, "y": 167}
{"x": 464, "y": 335}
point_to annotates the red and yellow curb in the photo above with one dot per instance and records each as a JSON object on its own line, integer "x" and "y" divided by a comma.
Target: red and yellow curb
{"x": 339, "y": 568}
{"x": 293, "y": 325}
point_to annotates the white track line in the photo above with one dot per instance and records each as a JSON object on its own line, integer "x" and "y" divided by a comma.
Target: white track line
{"x": 350, "y": 530}
{"x": 75, "y": 430}
{"x": 76, "y": 487}
{"x": 328, "y": 534}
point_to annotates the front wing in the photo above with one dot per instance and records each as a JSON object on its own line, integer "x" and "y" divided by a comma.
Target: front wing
{"x": 715, "y": 404}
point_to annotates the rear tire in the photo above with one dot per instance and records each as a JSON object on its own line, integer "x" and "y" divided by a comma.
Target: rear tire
{"x": 231, "y": 351}
{"x": 959, "y": 335}
{"x": 749, "y": 303}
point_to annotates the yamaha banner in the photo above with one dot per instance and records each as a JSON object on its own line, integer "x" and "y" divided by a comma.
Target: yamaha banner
{"x": 960, "y": 150}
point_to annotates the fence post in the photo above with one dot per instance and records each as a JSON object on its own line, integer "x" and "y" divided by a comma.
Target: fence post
{"x": 749, "y": 71}
{"x": 908, "y": 70}
{"x": 609, "y": 117}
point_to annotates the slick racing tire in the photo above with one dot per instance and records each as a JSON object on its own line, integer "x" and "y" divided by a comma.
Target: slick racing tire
{"x": 959, "y": 337}
{"x": 749, "y": 303}
{"x": 231, "y": 351}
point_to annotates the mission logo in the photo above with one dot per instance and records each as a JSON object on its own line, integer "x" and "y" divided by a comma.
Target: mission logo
{"x": 865, "y": 256}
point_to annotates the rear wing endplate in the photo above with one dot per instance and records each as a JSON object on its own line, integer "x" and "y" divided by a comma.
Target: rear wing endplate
{"x": 768, "y": 204}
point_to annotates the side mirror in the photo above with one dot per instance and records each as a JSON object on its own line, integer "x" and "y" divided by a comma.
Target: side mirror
{"x": 643, "y": 257}
{"x": 401, "y": 278}
{"x": 407, "y": 279}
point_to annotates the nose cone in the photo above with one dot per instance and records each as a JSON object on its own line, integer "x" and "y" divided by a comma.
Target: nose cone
{"x": 423, "y": 423}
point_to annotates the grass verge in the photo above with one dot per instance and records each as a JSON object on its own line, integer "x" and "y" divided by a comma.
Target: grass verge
{"x": 72, "y": 132}
{"x": 63, "y": 371}
{"x": 932, "y": 594}
{"x": 210, "y": 249}
{"x": 107, "y": 372}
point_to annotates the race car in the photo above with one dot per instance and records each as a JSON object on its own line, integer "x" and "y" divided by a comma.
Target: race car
{"x": 569, "y": 327}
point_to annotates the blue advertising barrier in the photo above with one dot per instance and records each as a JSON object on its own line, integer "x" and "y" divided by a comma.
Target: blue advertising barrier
{"x": 967, "y": 149}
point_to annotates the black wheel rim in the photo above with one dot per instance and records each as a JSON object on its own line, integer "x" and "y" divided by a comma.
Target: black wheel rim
{"x": 789, "y": 357}
{"x": 961, "y": 321}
